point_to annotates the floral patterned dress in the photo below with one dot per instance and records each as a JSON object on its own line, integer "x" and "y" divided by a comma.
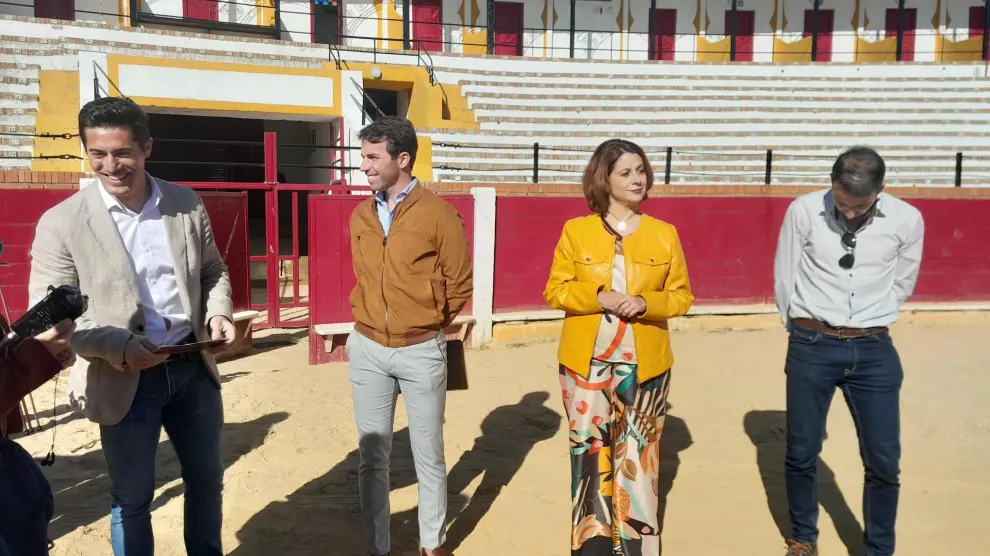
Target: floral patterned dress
{"x": 615, "y": 424}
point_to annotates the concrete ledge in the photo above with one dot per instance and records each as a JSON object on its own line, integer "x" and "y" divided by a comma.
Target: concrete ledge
{"x": 327, "y": 341}
{"x": 346, "y": 327}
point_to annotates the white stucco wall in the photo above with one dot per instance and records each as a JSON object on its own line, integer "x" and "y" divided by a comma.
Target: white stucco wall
{"x": 360, "y": 20}
{"x": 351, "y": 87}
{"x": 104, "y": 11}
{"x": 297, "y": 20}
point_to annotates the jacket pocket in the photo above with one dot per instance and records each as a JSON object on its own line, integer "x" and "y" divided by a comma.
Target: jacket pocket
{"x": 590, "y": 267}
{"x": 648, "y": 272}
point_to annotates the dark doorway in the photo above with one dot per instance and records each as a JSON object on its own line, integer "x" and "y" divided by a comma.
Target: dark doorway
{"x": 381, "y": 101}
{"x": 205, "y": 148}
{"x": 326, "y": 24}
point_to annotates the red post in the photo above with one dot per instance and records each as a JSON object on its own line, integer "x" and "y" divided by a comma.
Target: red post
{"x": 271, "y": 157}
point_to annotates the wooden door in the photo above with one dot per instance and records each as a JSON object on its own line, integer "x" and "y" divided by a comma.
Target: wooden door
{"x": 910, "y": 24}
{"x": 509, "y": 28}
{"x": 823, "y": 28}
{"x": 427, "y": 25}
{"x": 664, "y": 34}
{"x": 201, "y": 10}
{"x": 745, "y": 21}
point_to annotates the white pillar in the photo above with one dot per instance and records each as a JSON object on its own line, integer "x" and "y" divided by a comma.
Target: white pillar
{"x": 91, "y": 65}
{"x": 352, "y": 110}
{"x": 484, "y": 265}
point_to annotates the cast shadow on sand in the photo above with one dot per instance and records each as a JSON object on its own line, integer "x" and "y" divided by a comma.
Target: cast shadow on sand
{"x": 675, "y": 439}
{"x": 82, "y": 488}
{"x": 768, "y": 432}
{"x": 323, "y": 517}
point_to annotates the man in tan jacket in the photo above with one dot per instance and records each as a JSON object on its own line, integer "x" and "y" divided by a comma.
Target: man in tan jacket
{"x": 413, "y": 274}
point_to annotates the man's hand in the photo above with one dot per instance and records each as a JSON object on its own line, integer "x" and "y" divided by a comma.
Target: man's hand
{"x": 630, "y": 306}
{"x": 222, "y": 329}
{"x": 56, "y": 340}
{"x": 138, "y": 354}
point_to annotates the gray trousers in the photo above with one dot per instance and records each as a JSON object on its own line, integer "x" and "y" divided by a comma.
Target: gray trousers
{"x": 378, "y": 374}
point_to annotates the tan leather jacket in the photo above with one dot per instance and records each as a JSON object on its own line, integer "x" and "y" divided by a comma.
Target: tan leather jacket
{"x": 411, "y": 284}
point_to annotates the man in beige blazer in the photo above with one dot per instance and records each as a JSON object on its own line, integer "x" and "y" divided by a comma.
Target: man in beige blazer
{"x": 143, "y": 251}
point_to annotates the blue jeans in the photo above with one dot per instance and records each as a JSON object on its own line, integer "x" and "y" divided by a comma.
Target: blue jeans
{"x": 181, "y": 396}
{"x": 868, "y": 371}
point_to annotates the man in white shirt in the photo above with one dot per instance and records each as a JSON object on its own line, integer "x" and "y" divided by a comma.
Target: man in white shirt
{"x": 143, "y": 251}
{"x": 847, "y": 259}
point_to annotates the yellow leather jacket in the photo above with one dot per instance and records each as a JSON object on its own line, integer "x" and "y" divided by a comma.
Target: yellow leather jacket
{"x": 655, "y": 271}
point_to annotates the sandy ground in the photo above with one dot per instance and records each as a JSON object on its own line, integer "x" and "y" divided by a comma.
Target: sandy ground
{"x": 291, "y": 467}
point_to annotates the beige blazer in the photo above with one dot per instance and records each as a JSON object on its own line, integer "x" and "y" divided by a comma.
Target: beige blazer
{"x": 77, "y": 243}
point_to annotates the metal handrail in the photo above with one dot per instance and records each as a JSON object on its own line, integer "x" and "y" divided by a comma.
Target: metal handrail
{"x": 381, "y": 112}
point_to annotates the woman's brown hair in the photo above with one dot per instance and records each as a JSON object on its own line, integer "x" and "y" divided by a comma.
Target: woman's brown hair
{"x": 595, "y": 179}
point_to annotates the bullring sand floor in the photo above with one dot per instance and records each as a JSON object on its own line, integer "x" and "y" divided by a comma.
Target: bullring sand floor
{"x": 291, "y": 466}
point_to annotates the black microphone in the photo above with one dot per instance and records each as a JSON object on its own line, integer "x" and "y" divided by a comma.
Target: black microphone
{"x": 63, "y": 302}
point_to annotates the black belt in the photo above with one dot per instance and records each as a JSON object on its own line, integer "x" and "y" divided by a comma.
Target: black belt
{"x": 840, "y": 332}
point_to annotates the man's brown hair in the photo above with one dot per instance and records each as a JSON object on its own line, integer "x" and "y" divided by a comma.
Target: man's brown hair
{"x": 595, "y": 179}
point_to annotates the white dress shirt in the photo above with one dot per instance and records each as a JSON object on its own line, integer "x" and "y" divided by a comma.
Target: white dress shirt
{"x": 808, "y": 281}
{"x": 143, "y": 234}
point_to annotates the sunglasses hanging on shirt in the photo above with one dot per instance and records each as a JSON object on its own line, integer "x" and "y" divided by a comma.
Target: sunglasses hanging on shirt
{"x": 849, "y": 242}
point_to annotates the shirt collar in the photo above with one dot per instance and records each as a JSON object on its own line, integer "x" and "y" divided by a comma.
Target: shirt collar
{"x": 875, "y": 212}
{"x": 112, "y": 202}
{"x": 381, "y": 199}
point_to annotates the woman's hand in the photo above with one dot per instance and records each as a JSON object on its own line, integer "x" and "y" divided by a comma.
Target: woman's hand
{"x": 630, "y": 306}
{"x": 610, "y": 300}
{"x": 56, "y": 340}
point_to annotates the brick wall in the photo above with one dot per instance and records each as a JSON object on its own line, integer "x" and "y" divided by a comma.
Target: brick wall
{"x": 28, "y": 179}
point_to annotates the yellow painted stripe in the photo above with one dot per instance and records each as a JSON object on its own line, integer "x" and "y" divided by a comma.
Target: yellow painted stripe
{"x": 220, "y": 105}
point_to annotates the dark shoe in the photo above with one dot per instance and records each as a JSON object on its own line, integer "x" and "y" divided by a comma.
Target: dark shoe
{"x": 795, "y": 548}
{"x": 434, "y": 552}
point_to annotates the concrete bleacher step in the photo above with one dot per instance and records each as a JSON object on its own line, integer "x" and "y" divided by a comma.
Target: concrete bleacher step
{"x": 538, "y": 107}
{"x": 711, "y": 119}
{"x": 529, "y": 82}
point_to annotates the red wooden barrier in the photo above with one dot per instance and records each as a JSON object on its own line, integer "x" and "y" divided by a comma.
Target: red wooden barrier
{"x": 729, "y": 243}
{"x": 229, "y": 220}
{"x": 20, "y": 210}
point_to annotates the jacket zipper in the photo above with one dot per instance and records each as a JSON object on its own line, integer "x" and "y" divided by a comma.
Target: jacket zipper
{"x": 384, "y": 299}
{"x": 374, "y": 210}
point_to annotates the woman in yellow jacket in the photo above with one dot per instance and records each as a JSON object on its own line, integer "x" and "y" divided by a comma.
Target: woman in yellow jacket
{"x": 619, "y": 275}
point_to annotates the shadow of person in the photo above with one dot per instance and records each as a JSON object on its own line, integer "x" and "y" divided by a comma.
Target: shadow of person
{"x": 675, "y": 439}
{"x": 324, "y": 515}
{"x": 508, "y": 434}
{"x": 82, "y": 488}
{"x": 767, "y": 429}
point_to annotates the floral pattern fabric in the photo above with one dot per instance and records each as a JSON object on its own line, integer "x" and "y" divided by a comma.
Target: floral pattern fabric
{"x": 615, "y": 425}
